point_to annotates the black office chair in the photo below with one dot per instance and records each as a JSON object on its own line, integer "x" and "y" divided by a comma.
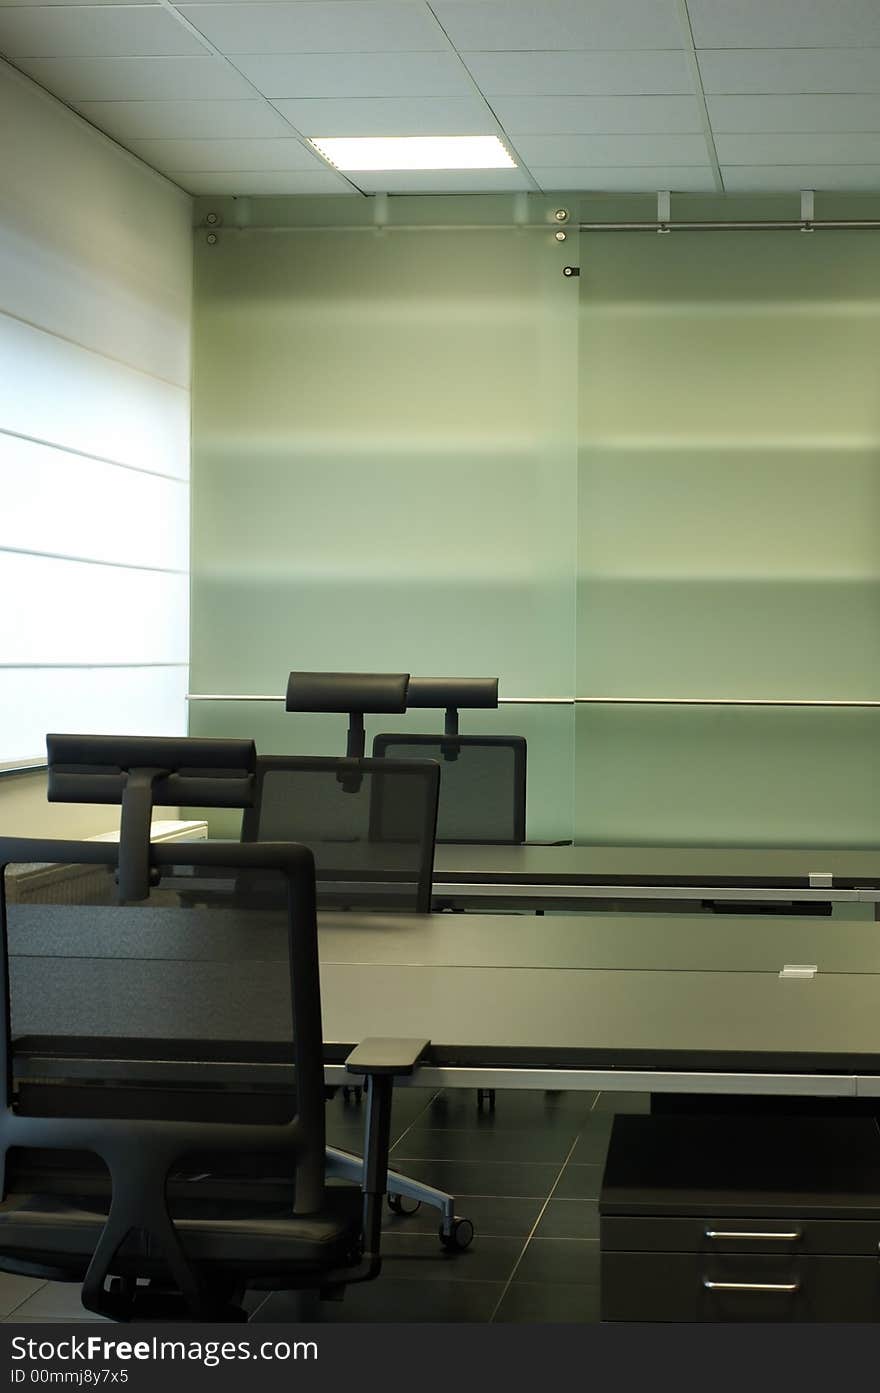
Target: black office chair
{"x": 144, "y": 1162}
{"x": 370, "y": 825}
{"x": 483, "y": 777}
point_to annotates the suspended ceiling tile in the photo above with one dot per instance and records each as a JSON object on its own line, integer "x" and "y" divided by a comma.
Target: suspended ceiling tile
{"x": 29, "y": 4}
{"x": 806, "y": 149}
{"x": 33, "y": 4}
{"x": 356, "y": 74}
{"x": 442, "y": 181}
{"x": 648, "y": 179}
{"x": 790, "y": 70}
{"x": 337, "y": 26}
{"x": 791, "y": 178}
{"x": 591, "y": 115}
{"x": 563, "y": 24}
{"x": 135, "y": 79}
{"x": 579, "y": 73}
{"x": 390, "y": 116}
{"x": 592, "y": 151}
{"x": 784, "y": 23}
{"x": 795, "y": 113}
{"x": 212, "y": 156}
{"x": 92, "y": 31}
{"x": 267, "y": 182}
{"x": 177, "y": 120}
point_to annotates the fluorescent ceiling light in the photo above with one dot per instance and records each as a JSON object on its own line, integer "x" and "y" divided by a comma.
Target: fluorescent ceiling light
{"x": 414, "y": 152}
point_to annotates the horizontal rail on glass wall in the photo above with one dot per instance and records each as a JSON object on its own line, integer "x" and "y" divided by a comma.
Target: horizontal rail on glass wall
{"x": 383, "y": 227}
{"x": 703, "y": 225}
{"x": 768, "y": 225}
{"x": 611, "y": 700}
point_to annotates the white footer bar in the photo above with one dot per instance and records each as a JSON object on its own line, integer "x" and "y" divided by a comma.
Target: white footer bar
{"x": 625, "y": 1081}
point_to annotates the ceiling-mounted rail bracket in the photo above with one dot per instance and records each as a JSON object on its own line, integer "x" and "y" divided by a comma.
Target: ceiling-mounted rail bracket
{"x": 380, "y": 213}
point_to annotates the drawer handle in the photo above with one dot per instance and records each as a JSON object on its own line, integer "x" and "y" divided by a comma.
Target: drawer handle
{"x": 778, "y": 1237}
{"x": 784, "y": 1287}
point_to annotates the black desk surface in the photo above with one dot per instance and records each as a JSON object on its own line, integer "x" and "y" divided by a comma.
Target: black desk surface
{"x": 672, "y": 990}
{"x": 653, "y": 865}
{"x": 521, "y": 991}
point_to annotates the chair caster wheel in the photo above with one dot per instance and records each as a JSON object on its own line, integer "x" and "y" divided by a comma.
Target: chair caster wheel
{"x": 402, "y": 1204}
{"x": 459, "y": 1237}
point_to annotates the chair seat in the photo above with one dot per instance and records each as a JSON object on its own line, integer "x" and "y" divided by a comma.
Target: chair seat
{"x": 236, "y": 1226}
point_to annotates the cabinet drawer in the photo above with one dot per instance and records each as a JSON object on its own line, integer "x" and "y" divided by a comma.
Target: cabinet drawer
{"x": 751, "y": 1234}
{"x": 737, "y": 1287}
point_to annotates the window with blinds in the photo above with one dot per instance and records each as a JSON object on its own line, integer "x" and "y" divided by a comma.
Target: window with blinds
{"x": 94, "y": 434}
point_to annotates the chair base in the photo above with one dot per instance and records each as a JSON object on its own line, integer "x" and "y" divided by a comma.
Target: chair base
{"x": 345, "y": 1165}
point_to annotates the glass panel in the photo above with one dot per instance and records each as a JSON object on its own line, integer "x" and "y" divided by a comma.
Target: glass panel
{"x": 386, "y": 475}
{"x": 729, "y": 489}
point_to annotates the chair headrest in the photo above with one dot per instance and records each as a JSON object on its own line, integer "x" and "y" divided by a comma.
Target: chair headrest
{"x": 348, "y": 692}
{"x": 469, "y": 692}
{"x": 95, "y": 769}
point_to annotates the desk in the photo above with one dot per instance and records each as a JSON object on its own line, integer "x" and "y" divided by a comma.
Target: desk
{"x": 538, "y": 877}
{"x": 650, "y": 1003}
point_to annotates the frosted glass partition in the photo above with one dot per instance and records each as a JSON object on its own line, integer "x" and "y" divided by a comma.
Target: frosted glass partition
{"x": 549, "y": 732}
{"x": 729, "y": 501}
{"x": 385, "y": 478}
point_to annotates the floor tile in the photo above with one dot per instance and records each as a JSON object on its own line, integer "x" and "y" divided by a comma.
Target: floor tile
{"x": 14, "y": 1290}
{"x": 569, "y": 1219}
{"x": 560, "y": 1260}
{"x": 623, "y": 1102}
{"x": 592, "y": 1143}
{"x": 349, "y": 1136}
{"x": 532, "y": 1303}
{"x": 407, "y": 1105}
{"x": 462, "y": 1178}
{"x": 457, "y": 1107}
{"x": 390, "y": 1300}
{"x": 421, "y": 1257}
{"x": 54, "y": 1301}
{"x": 502, "y": 1216}
{"x": 579, "y": 1182}
{"x": 475, "y": 1144}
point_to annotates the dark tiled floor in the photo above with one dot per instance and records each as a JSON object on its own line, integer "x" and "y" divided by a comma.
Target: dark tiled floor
{"x": 527, "y": 1175}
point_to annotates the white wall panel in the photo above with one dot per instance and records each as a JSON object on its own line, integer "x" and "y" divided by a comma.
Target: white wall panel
{"x": 95, "y": 316}
{"x": 99, "y": 701}
{"x": 100, "y": 512}
{"x": 56, "y": 392}
{"x": 82, "y": 612}
{"x": 93, "y": 245}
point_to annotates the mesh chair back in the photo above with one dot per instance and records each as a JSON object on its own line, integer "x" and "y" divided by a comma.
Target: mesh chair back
{"x": 370, "y": 825}
{"x": 482, "y": 782}
{"x": 192, "y": 975}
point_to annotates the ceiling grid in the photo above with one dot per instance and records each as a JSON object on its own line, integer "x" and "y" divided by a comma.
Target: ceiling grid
{"x": 593, "y": 95}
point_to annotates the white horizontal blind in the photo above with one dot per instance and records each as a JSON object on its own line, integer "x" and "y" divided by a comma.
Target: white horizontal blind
{"x": 95, "y": 299}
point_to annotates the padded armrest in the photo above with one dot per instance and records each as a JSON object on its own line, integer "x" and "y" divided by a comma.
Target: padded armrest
{"x": 386, "y": 1056}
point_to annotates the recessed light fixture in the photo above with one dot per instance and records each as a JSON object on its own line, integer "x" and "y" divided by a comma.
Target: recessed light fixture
{"x": 414, "y": 152}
